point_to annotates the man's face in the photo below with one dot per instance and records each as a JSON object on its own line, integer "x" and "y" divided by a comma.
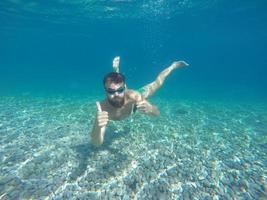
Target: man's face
{"x": 115, "y": 93}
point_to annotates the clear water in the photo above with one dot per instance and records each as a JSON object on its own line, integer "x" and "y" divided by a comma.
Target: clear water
{"x": 210, "y": 139}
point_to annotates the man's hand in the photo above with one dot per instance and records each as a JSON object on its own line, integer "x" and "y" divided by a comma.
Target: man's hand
{"x": 101, "y": 116}
{"x": 177, "y": 64}
{"x": 99, "y": 128}
{"x": 144, "y": 107}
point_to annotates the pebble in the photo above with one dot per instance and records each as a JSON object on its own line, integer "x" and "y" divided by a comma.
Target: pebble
{"x": 125, "y": 197}
{"x": 172, "y": 171}
{"x": 186, "y": 194}
{"x": 196, "y": 174}
{"x": 88, "y": 195}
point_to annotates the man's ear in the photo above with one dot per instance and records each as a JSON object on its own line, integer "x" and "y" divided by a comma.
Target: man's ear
{"x": 126, "y": 86}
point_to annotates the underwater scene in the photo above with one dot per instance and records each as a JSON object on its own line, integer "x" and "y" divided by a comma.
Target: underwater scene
{"x": 186, "y": 117}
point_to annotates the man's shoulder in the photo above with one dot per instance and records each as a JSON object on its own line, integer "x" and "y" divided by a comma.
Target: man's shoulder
{"x": 130, "y": 91}
{"x": 133, "y": 95}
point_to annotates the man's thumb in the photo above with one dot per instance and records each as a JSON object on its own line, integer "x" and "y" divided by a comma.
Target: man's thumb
{"x": 98, "y": 106}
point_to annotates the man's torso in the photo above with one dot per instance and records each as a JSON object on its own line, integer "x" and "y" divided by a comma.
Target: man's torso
{"x": 131, "y": 97}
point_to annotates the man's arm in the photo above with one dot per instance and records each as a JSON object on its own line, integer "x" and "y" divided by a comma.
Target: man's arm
{"x": 151, "y": 88}
{"x": 98, "y": 132}
{"x": 96, "y": 137}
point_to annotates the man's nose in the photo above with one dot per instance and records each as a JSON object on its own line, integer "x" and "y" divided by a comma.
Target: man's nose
{"x": 116, "y": 93}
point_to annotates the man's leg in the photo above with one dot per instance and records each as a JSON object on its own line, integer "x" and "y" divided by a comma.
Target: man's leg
{"x": 116, "y": 64}
{"x": 151, "y": 88}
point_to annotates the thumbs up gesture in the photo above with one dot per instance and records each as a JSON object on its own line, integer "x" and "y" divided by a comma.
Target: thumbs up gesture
{"x": 143, "y": 106}
{"x": 101, "y": 116}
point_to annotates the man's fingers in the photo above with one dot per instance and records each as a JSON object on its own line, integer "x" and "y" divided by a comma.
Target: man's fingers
{"x": 141, "y": 106}
{"x": 102, "y": 116}
{"x": 140, "y": 103}
{"x": 102, "y": 121}
{"x": 103, "y": 124}
{"x": 102, "y": 113}
{"x": 143, "y": 110}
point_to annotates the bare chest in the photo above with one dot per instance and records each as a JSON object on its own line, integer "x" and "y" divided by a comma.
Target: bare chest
{"x": 121, "y": 113}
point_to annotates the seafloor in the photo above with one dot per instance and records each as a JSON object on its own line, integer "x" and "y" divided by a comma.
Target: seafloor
{"x": 194, "y": 150}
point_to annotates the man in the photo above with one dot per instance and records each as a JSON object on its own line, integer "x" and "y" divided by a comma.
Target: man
{"x": 121, "y": 102}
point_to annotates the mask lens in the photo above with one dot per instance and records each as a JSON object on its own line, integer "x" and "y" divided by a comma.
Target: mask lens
{"x": 111, "y": 91}
{"x": 120, "y": 90}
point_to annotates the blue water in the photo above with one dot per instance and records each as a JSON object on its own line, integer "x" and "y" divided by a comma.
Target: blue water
{"x": 64, "y": 46}
{"x": 209, "y": 141}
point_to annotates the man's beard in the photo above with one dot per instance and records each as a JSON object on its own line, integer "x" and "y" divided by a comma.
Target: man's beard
{"x": 116, "y": 102}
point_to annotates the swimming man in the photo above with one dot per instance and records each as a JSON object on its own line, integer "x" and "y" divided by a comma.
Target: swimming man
{"x": 121, "y": 102}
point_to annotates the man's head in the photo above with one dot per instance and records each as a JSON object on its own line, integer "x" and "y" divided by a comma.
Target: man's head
{"x": 114, "y": 84}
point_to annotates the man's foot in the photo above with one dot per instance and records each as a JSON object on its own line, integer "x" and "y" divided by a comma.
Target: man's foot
{"x": 116, "y": 64}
